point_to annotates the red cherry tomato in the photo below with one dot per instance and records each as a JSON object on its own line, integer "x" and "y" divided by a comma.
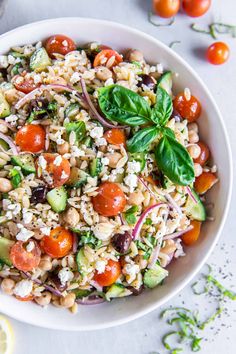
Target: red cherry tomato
{"x": 196, "y": 8}
{"x": 204, "y": 154}
{"x": 26, "y": 298}
{"x": 103, "y": 57}
{"x": 192, "y": 236}
{"x": 218, "y": 53}
{"x": 24, "y": 260}
{"x": 55, "y": 174}
{"x": 110, "y": 200}
{"x": 188, "y": 109}
{"x": 204, "y": 182}
{"x": 31, "y": 138}
{"x": 24, "y": 85}
{"x": 166, "y": 8}
{"x": 58, "y": 244}
{"x": 115, "y": 136}
{"x": 59, "y": 44}
{"x": 110, "y": 275}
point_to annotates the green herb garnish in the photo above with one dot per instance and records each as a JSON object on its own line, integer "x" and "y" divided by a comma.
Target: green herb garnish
{"x": 130, "y": 216}
{"x": 216, "y": 27}
{"x": 87, "y": 238}
{"x": 158, "y": 24}
{"x": 173, "y": 43}
{"x": 15, "y": 176}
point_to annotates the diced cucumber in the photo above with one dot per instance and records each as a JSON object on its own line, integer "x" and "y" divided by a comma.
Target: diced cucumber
{"x": 153, "y": 277}
{"x": 17, "y": 54}
{"x": 78, "y": 127}
{"x": 82, "y": 262}
{"x": 139, "y": 157}
{"x": 115, "y": 290}
{"x": 88, "y": 141}
{"x": 4, "y": 145}
{"x": 4, "y": 107}
{"x": 39, "y": 60}
{"x": 77, "y": 178}
{"x": 72, "y": 110}
{"x": 26, "y": 162}
{"x": 195, "y": 211}
{"x": 95, "y": 167}
{"x": 57, "y": 198}
{"x": 165, "y": 82}
{"x": 5, "y": 247}
{"x": 119, "y": 177}
{"x": 80, "y": 293}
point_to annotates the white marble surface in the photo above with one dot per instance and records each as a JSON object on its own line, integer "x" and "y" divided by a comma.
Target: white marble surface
{"x": 143, "y": 336}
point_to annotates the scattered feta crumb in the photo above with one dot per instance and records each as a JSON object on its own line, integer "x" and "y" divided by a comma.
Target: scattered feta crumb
{"x": 30, "y": 246}
{"x": 101, "y": 142}
{"x": 45, "y": 230}
{"x": 37, "y": 79}
{"x": 160, "y": 68}
{"x": 64, "y": 175}
{"x": 131, "y": 270}
{"x": 42, "y": 162}
{"x": 27, "y": 217}
{"x": 57, "y": 161}
{"x": 65, "y": 275}
{"x": 23, "y": 288}
{"x": 131, "y": 181}
{"x": 100, "y": 266}
{"x": 24, "y": 234}
{"x": 12, "y": 119}
{"x": 105, "y": 161}
{"x": 96, "y": 132}
{"x": 3, "y": 61}
{"x": 187, "y": 94}
{"x": 103, "y": 230}
{"x": 65, "y": 43}
{"x": 76, "y": 152}
{"x": 60, "y": 141}
{"x": 75, "y": 78}
{"x": 109, "y": 82}
{"x": 133, "y": 167}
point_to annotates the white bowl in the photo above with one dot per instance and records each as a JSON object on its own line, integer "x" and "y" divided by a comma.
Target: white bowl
{"x": 212, "y": 131}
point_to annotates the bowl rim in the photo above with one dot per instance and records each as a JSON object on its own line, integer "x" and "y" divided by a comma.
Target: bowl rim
{"x": 189, "y": 277}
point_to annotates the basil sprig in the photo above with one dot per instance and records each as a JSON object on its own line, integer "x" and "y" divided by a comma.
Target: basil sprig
{"x": 142, "y": 139}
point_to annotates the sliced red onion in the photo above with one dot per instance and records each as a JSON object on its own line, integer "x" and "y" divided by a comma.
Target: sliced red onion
{"x": 155, "y": 253}
{"x": 146, "y": 186}
{"x": 90, "y": 301}
{"x": 188, "y": 190}
{"x": 93, "y": 110}
{"x": 46, "y": 286}
{"x": 171, "y": 255}
{"x": 10, "y": 142}
{"x": 177, "y": 234}
{"x": 173, "y": 203}
{"x": 27, "y": 97}
{"x": 139, "y": 224}
{"x": 121, "y": 219}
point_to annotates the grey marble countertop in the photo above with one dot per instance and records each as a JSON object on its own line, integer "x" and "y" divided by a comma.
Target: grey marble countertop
{"x": 143, "y": 335}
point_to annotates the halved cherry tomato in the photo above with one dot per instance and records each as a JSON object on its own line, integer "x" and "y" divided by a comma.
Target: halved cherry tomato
{"x": 24, "y": 85}
{"x": 110, "y": 200}
{"x": 55, "y": 174}
{"x": 58, "y": 244}
{"x": 196, "y": 8}
{"x": 26, "y": 298}
{"x": 218, "y": 53}
{"x": 106, "y": 54}
{"x": 110, "y": 275}
{"x": 188, "y": 109}
{"x": 115, "y": 136}
{"x": 31, "y": 138}
{"x": 59, "y": 44}
{"x": 204, "y": 154}
{"x": 192, "y": 236}
{"x": 166, "y": 8}
{"x": 204, "y": 182}
{"x": 24, "y": 260}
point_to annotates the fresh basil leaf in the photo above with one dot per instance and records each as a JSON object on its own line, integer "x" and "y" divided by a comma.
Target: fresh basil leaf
{"x": 123, "y": 105}
{"x": 142, "y": 139}
{"x": 169, "y": 132}
{"x": 15, "y": 177}
{"x": 78, "y": 127}
{"x": 130, "y": 216}
{"x": 174, "y": 161}
{"x": 163, "y": 107}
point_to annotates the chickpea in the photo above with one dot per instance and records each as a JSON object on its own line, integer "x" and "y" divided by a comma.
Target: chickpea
{"x": 7, "y": 286}
{"x": 45, "y": 265}
{"x": 193, "y": 126}
{"x": 5, "y": 185}
{"x": 3, "y": 128}
{"x": 103, "y": 73}
{"x": 44, "y": 299}
{"x": 113, "y": 159}
{"x": 197, "y": 169}
{"x": 58, "y": 80}
{"x": 63, "y": 148}
{"x": 12, "y": 95}
{"x": 194, "y": 151}
{"x": 193, "y": 137}
{"x": 169, "y": 247}
{"x": 135, "y": 55}
{"x": 68, "y": 301}
{"x": 136, "y": 198}
{"x": 71, "y": 217}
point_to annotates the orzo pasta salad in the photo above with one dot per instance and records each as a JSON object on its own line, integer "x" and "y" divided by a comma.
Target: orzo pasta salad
{"x": 102, "y": 173}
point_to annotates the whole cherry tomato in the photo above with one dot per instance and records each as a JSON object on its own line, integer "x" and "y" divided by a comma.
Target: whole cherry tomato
{"x": 204, "y": 182}
{"x": 24, "y": 299}
{"x": 192, "y": 236}
{"x": 24, "y": 260}
{"x": 103, "y": 57}
{"x": 110, "y": 274}
{"x": 23, "y": 84}
{"x": 56, "y": 173}
{"x": 110, "y": 200}
{"x": 196, "y": 8}
{"x": 188, "y": 109}
{"x": 204, "y": 154}
{"x": 31, "y": 138}
{"x": 59, "y": 44}
{"x": 218, "y": 53}
{"x": 166, "y": 8}
{"x": 115, "y": 136}
{"x": 58, "y": 244}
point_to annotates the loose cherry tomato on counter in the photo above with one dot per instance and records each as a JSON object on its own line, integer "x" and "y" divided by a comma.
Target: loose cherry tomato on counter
{"x": 26, "y": 298}
{"x": 204, "y": 182}
{"x": 31, "y": 138}
{"x": 103, "y": 57}
{"x": 58, "y": 244}
{"x": 23, "y": 84}
{"x": 204, "y": 154}
{"x": 115, "y": 136}
{"x": 218, "y": 53}
{"x": 24, "y": 260}
{"x": 54, "y": 172}
{"x": 110, "y": 200}
{"x": 110, "y": 275}
{"x": 196, "y": 8}
{"x": 59, "y": 44}
{"x": 166, "y": 8}
{"x": 192, "y": 236}
{"x": 188, "y": 109}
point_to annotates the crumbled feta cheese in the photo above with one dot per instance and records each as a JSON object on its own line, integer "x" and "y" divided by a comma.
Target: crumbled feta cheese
{"x": 65, "y": 43}
{"x": 160, "y": 68}
{"x": 30, "y": 246}
{"x": 23, "y": 288}
{"x": 8, "y": 215}
{"x": 3, "y": 61}
{"x": 133, "y": 167}
{"x": 27, "y": 217}
{"x": 11, "y": 59}
{"x": 187, "y": 94}
{"x": 64, "y": 175}
{"x": 37, "y": 79}
{"x": 103, "y": 231}
{"x": 96, "y": 132}
{"x": 24, "y": 234}
{"x": 57, "y": 161}
{"x": 109, "y": 82}
{"x": 75, "y": 78}
{"x": 131, "y": 181}
{"x": 105, "y": 161}
{"x": 76, "y": 152}
{"x": 100, "y": 266}
{"x": 12, "y": 119}
{"x": 131, "y": 270}
{"x": 45, "y": 230}
{"x": 65, "y": 275}
{"x": 60, "y": 141}
{"x": 101, "y": 142}
{"x": 42, "y": 162}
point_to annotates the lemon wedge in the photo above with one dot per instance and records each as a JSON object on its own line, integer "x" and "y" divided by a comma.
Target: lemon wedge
{"x": 6, "y": 336}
